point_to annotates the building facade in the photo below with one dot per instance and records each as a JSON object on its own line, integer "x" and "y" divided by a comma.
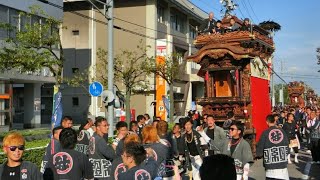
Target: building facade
{"x": 24, "y": 101}
{"x": 149, "y": 21}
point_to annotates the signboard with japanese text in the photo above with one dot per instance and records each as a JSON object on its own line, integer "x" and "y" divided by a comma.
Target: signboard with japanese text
{"x": 160, "y": 82}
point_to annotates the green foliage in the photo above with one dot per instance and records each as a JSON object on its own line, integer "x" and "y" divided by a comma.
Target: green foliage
{"x": 170, "y": 126}
{"x": 101, "y": 67}
{"x": 29, "y": 132}
{"x": 129, "y": 69}
{"x": 34, "y": 156}
{"x": 79, "y": 79}
{"x": 168, "y": 69}
{"x": 34, "y": 46}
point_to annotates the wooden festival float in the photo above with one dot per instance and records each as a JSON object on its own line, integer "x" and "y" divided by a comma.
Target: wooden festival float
{"x": 236, "y": 74}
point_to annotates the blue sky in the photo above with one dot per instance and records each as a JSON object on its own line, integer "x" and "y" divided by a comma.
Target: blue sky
{"x": 298, "y": 39}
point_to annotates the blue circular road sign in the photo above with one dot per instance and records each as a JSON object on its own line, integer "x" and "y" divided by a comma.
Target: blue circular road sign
{"x": 95, "y": 88}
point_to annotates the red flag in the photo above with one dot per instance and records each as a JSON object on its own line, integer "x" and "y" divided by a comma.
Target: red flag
{"x": 206, "y": 77}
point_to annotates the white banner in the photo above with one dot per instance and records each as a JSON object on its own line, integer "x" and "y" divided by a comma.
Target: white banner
{"x": 258, "y": 68}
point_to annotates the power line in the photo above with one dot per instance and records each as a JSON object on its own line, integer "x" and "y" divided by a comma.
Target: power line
{"x": 245, "y": 10}
{"x": 139, "y": 34}
{"x": 207, "y": 4}
{"x": 274, "y": 72}
{"x": 243, "y": 16}
{"x": 118, "y": 27}
{"x": 253, "y": 11}
{"x": 298, "y": 77}
{"x": 306, "y": 75}
{"x": 150, "y": 28}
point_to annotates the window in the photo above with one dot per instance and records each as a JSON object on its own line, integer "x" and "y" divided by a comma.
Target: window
{"x": 160, "y": 13}
{"x": 194, "y": 65}
{"x": 192, "y": 32}
{"x": 179, "y": 52}
{"x": 14, "y": 21}
{"x": 3, "y": 19}
{"x": 75, "y": 70}
{"x": 75, "y": 32}
{"x": 35, "y": 19}
{"x": 54, "y": 32}
{"x": 23, "y": 22}
{"x": 177, "y": 22}
{"x": 75, "y": 101}
{"x": 173, "y": 21}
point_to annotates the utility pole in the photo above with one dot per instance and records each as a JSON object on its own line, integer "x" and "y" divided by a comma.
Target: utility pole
{"x": 272, "y": 85}
{"x": 110, "y": 65}
{"x": 108, "y": 14}
{"x": 272, "y": 90}
{"x": 281, "y": 91}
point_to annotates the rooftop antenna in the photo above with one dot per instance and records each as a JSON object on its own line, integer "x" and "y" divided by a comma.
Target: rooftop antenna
{"x": 229, "y": 6}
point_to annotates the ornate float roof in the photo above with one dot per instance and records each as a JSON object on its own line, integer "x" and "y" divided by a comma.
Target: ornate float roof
{"x": 238, "y": 44}
{"x": 296, "y": 88}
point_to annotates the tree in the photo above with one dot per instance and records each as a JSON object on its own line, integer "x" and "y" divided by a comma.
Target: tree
{"x": 169, "y": 70}
{"x": 129, "y": 69}
{"x": 34, "y": 46}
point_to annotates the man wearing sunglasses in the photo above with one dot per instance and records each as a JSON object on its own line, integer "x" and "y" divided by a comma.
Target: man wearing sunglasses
{"x": 236, "y": 147}
{"x": 15, "y": 168}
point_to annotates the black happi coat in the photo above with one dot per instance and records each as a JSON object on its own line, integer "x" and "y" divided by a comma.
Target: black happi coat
{"x": 273, "y": 146}
{"x": 69, "y": 164}
{"x": 28, "y": 171}
{"x": 52, "y": 148}
{"x": 101, "y": 155}
{"x": 83, "y": 141}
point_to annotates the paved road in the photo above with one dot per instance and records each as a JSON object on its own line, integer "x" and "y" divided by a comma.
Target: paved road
{"x": 303, "y": 170}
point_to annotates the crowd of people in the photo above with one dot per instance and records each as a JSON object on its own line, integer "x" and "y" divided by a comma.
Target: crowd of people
{"x": 301, "y": 125}
{"x": 211, "y": 26}
{"x": 195, "y": 148}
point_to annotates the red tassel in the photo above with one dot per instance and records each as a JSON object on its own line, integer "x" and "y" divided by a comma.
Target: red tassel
{"x": 206, "y": 77}
{"x": 237, "y": 74}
